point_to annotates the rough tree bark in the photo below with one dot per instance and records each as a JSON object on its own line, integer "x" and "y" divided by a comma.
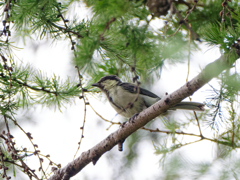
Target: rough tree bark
{"x": 92, "y": 155}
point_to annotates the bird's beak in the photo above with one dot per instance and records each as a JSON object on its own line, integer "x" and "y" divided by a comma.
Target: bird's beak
{"x": 95, "y": 84}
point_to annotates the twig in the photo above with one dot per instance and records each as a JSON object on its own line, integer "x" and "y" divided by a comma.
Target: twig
{"x": 36, "y": 151}
{"x": 32, "y": 87}
{"x": 170, "y": 132}
{"x": 222, "y": 13}
{"x": 196, "y": 117}
{"x": 66, "y": 28}
{"x": 189, "y": 54}
{"x": 79, "y": 75}
{"x": 6, "y": 30}
{"x": 45, "y": 156}
{"x": 3, "y": 166}
{"x": 183, "y": 21}
{"x": 107, "y": 27}
{"x": 9, "y": 141}
{"x": 103, "y": 117}
{"x": 14, "y": 154}
{"x": 85, "y": 110}
{"x": 187, "y": 134}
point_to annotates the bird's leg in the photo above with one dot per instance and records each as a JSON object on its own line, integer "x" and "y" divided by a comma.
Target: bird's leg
{"x": 131, "y": 120}
{"x": 120, "y": 142}
{"x": 120, "y": 145}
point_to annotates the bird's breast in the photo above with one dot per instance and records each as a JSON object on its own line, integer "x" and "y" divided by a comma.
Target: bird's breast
{"x": 121, "y": 99}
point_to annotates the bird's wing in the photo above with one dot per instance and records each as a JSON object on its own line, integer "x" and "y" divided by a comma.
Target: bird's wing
{"x": 132, "y": 88}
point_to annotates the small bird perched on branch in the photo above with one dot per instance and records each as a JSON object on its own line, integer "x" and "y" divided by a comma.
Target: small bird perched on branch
{"x": 129, "y": 99}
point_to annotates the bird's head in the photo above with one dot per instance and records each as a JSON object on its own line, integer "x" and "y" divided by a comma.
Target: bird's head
{"x": 107, "y": 82}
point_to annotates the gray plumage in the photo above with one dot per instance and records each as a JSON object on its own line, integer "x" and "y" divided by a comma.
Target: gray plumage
{"x": 120, "y": 94}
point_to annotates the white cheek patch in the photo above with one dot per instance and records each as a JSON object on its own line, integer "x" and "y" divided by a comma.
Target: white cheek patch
{"x": 109, "y": 84}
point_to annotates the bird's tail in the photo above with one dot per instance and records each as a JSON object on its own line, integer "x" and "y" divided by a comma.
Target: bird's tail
{"x": 194, "y": 106}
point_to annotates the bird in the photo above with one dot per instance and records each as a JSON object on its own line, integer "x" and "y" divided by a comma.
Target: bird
{"x": 129, "y": 99}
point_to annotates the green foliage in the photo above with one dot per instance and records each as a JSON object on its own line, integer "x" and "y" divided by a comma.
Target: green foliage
{"x": 35, "y": 88}
{"x": 117, "y": 8}
{"x": 214, "y": 35}
{"x": 128, "y": 42}
{"x": 207, "y": 14}
{"x": 121, "y": 39}
{"x": 27, "y": 87}
{"x": 177, "y": 167}
{"x": 36, "y": 16}
{"x": 231, "y": 85}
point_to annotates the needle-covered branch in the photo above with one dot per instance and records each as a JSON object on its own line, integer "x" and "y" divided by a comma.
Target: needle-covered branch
{"x": 92, "y": 155}
{"x": 29, "y": 86}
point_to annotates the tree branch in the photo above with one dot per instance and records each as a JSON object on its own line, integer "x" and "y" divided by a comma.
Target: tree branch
{"x": 92, "y": 155}
{"x": 183, "y": 21}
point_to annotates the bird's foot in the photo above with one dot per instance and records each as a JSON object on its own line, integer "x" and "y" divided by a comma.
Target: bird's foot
{"x": 131, "y": 120}
{"x": 123, "y": 124}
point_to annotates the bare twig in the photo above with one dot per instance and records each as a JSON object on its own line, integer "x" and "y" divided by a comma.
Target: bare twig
{"x": 67, "y": 29}
{"x": 36, "y": 151}
{"x": 79, "y": 74}
{"x": 183, "y": 21}
{"x": 118, "y": 123}
{"x": 189, "y": 55}
{"x": 3, "y": 166}
{"x": 85, "y": 110}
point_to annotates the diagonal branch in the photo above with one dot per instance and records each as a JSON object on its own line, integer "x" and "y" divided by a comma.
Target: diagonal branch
{"x": 92, "y": 155}
{"x": 183, "y": 21}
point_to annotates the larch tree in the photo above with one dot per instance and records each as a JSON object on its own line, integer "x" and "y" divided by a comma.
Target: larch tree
{"x": 119, "y": 39}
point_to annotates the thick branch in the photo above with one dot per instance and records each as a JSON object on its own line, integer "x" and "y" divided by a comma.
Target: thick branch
{"x": 92, "y": 155}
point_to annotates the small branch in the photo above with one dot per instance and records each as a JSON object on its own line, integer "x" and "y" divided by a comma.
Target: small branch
{"x": 65, "y": 30}
{"x": 189, "y": 54}
{"x": 14, "y": 153}
{"x": 183, "y": 21}
{"x": 85, "y": 110}
{"x": 107, "y": 27}
{"x": 6, "y": 27}
{"x": 230, "y": 17}
{"x": 36, "y": 151}
{"x": 5, "y": 168}
{"x": 222, "y": 13}
{"x": 183, "y": 133}
{"x": 80, "y": 78}
{"x": 200, "y": 131}
{"x": 170, "y": 132}
{"x": 103, "y": 117}
{"x": 43, "y": 89}
{"x": 181, "y": 145}
{"x": 179, "y": 133}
